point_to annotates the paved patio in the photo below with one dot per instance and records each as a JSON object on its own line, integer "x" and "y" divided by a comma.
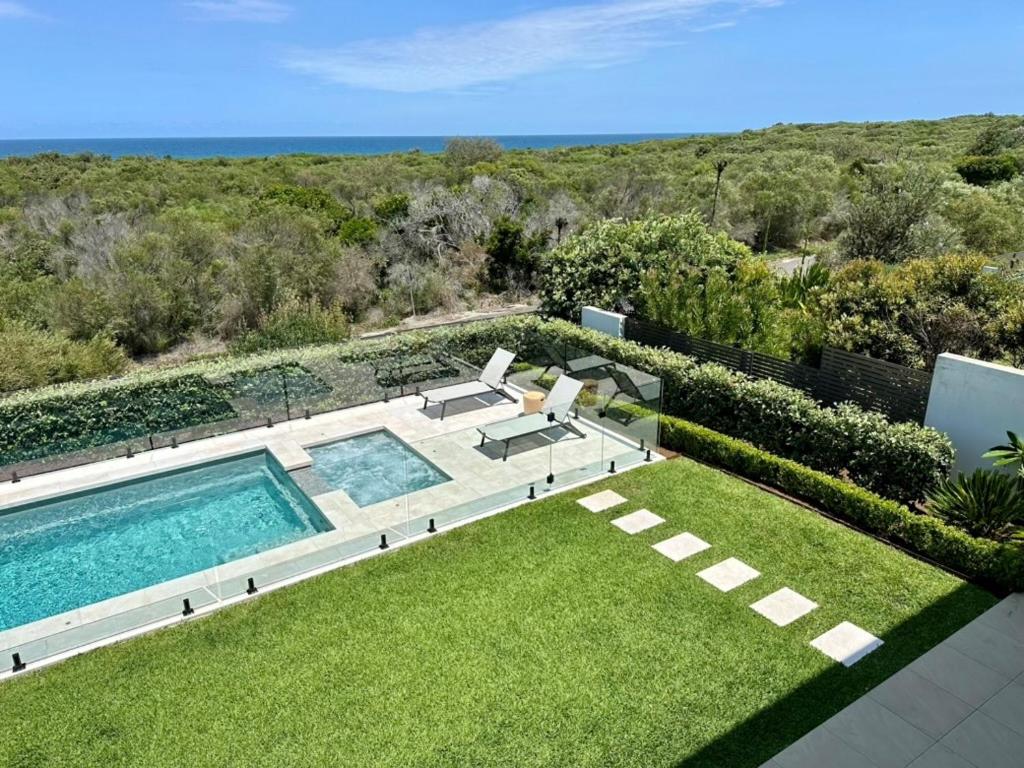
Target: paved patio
{"x": 961, "y": 705}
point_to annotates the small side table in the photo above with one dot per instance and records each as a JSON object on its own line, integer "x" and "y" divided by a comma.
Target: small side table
{"x": 533, "y": 402}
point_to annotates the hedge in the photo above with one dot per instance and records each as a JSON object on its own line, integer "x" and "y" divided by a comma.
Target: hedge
{"x": 61, "y": 419}
{"x": 989, "y": 562}
{"x": 898, "y": 461}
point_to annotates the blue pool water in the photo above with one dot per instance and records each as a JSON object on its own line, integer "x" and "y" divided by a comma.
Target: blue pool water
{"x": 73, "y": 551}
{"x": 373, "y": 467}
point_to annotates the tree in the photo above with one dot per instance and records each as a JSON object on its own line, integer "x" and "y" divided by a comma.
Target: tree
{"x": 982, "y": 170}
{"x": 720, "y": 166}
{"x": 785, "y": 196}
{"x": 464, "y": 152}
{"x": 914, "y": 312}
{"x": 996, "y": 138}
{"x": 513, "y": 254}
{"x": 889, "y": 212}
{"x": 602, "y": 265}
{"x": 738, "y": 305}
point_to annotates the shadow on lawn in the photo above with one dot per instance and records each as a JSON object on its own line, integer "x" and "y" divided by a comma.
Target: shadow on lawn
{"x": 771, "y": 730}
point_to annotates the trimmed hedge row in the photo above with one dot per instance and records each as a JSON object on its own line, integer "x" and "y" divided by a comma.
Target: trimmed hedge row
{"x": 66, "y": 418}
{"x": 989, "y": 562}
{"x": 898, "y": 461}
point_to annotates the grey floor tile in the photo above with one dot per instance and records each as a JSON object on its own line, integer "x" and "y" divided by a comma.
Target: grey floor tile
{"x": 988, "y": 744}
{"x": 1007, "y": 617}
{"x": 821, "y": 748}
{"x": 921, "y": 703}
{"x": 1007, "y": 707}
{"x": 993, "y": 648}
{"x": 884, "y": 737}
{"x": 940, "y": 757}
{"x": 962, "y": 676}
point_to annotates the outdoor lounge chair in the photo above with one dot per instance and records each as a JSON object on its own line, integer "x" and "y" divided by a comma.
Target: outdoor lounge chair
{"x": 489, "y": 380}
{"x": 575, "y": 366}
{"x": 625, "y": 385}
{"x": 554, "y": 414}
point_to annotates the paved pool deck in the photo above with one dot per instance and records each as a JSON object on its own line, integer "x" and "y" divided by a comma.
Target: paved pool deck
{"x": 960, "y": 705}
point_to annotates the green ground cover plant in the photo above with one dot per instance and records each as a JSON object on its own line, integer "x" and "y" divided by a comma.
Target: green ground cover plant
{"x": 540, "y": 637}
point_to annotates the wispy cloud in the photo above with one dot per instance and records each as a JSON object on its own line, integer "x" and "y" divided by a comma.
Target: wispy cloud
{"x": 17, "y": 11}
{"x": 469, "y": 55}
{"x": 264, "y": 11}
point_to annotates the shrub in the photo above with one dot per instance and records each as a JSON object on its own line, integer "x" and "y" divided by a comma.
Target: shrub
{"x": 295, "y": 323}
{"x": 982, "y": 170}
{"x": 985, "y": 503}
{"x": 603, "y": 264}
{"x": 33, "y": 357}
{"x": 898, "y": 461}
{"x": 63, "y": 419}
{"x": 86, "y": 418}
{"x": 996, "y": 564}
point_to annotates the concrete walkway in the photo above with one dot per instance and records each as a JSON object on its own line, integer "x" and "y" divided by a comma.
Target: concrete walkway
{"x": 961, "y": 705}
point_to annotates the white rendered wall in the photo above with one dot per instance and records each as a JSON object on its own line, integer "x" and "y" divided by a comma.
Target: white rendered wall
{"x": 606, "y": 322}
{"x": 975, "y": 403}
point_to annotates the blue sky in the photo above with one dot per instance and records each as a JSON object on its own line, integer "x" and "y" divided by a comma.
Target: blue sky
{"x": 409, "y": 67}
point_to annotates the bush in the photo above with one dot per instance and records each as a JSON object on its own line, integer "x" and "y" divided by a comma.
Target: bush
{"x": 63, "y": 419}
{"x": 295, "y": 323}
{"x": 985, "y": 503}
{"x": 998, "y": 565}
{"x": 898, "y": 461}
{"x": 982, "y": 170}
{"x": 34, "y": 358}
{"x": 603, "y": 264}
{"x": 86, "y": 418}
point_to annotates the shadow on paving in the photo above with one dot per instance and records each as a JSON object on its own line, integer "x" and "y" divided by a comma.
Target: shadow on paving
{"x": 771, "y": 730}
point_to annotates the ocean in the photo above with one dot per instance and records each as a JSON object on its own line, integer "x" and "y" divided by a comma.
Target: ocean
{"x": 269, "y": 146}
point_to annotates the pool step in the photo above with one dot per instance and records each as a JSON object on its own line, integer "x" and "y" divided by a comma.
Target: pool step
{"x": 290, "y": 454}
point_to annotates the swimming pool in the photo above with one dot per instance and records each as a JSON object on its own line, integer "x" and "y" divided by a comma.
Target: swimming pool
{"x": 59, "y": 555}
{"x": 373, "y": 467}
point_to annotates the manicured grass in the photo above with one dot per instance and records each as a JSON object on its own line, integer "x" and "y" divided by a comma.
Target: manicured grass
{"x": 543, "y": 636}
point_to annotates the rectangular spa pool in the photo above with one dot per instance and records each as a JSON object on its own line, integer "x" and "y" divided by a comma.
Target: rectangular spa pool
{"x": 373, "y": 467}
{"x": 70, "y": 552}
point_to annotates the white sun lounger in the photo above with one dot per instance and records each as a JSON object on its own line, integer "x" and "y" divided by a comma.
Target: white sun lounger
{"x": 489, "y": 380}
{"x": 554, "y": 414}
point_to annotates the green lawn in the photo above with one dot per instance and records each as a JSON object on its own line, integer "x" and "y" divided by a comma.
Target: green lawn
{"x": 540, "y": 637}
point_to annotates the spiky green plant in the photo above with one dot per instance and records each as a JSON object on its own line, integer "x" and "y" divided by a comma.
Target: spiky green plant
{"x": 1010, "y": 454}
{"x": 985, "y": 503}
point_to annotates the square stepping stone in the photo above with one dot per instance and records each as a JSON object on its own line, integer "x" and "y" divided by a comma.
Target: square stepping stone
{"x": 784, "y": 607}
{"x": 681, "y": 547}
{"x": 638, "y": 521}
{"x": 599, "y": 502}
{"x": 846, "y": 643}
{"x": 728, "y": 574}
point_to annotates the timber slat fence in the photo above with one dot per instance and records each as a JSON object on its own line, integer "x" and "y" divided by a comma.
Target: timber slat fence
{"x": 900, "y": 393}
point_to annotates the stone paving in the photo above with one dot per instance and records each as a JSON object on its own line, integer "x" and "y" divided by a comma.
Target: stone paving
{"x": 961, "y": 705}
